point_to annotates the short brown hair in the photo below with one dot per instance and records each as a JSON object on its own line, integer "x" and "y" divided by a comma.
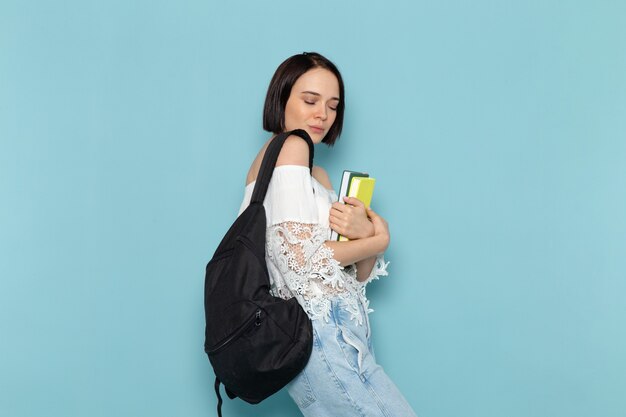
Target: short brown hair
{"x": 280, "y": 88}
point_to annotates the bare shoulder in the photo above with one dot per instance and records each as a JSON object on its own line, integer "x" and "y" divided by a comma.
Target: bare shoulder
{"x": 321, "y": 175}
{"x": 295, "y": 151}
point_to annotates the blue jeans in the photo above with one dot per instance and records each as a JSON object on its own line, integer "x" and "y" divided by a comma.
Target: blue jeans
{"x": 342, "y": 377}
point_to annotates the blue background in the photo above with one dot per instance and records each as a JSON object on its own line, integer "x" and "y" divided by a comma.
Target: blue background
{"x": 496, "y": 132}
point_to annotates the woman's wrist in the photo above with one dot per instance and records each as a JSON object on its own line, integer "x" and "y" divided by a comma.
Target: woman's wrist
{"x": 381, "y": 242}
{"x": 352, "y": 251}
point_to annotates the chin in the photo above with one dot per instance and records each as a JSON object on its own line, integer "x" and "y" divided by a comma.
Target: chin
{"x": 315, "y": 135}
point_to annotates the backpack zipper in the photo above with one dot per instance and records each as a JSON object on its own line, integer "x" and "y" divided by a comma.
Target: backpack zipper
{"x": 255, "y": 319}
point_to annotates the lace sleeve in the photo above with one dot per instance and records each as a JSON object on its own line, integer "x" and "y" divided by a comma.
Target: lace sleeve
{"x": 304, "y": 265}
{"x": 378, "y": 270}
{"x": 300, "y": 264}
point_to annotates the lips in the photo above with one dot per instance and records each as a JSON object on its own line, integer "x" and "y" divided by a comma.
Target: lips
{"x": 316, "y": 129}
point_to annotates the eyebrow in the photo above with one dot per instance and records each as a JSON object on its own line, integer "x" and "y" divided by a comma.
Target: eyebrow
{"x": 318, "y": 94}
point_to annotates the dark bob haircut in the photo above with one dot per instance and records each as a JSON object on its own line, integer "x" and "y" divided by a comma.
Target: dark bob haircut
{"x": 279, "y": 91}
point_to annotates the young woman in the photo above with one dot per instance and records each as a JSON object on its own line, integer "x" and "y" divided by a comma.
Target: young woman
{"x": 328, "y": 278}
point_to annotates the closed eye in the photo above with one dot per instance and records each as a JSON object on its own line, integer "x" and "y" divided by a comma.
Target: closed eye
{"x": 311, "y": 103}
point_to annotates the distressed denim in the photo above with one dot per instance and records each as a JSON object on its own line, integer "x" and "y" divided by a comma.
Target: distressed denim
{"x": 342, "y": 378}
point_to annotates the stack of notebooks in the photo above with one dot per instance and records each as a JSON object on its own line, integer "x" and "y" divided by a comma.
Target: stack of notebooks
{"x": 358, "y": 185}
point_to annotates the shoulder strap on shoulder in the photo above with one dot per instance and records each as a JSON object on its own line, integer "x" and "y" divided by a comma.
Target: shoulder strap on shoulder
{"x": 269, "y": 162}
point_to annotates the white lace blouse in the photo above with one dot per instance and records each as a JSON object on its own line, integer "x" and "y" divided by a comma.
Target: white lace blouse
{"x": 300, "y": 265}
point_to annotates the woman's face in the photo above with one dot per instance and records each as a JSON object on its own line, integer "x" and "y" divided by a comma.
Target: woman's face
{"x": 312, "y": 104}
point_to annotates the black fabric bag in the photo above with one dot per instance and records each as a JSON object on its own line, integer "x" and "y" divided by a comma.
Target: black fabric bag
{"x": 256, "y": 342}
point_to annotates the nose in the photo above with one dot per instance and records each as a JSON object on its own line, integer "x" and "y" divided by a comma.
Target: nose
{"x": 321, "y": 112}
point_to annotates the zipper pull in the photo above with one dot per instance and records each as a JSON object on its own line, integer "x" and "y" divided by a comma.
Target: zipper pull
{"x": 258, "y": 318}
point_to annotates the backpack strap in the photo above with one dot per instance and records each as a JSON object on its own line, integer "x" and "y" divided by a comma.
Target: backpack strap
{"x": 269, "y": 162}
{"x": 219, "y": 397}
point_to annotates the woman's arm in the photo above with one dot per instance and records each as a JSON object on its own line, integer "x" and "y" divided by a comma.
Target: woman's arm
{"x": 364, "y": 268}
{"x": 360, "y": 251}
{"x": 363, "y": 251}
{"x": 351, "y": 220}
{"x": 352, "y": 251}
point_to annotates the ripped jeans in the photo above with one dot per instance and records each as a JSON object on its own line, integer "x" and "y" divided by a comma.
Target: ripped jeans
{"x": 342, "y": 377}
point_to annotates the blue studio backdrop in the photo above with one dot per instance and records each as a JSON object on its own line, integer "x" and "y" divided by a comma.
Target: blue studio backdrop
{"x": 497, "y": 135}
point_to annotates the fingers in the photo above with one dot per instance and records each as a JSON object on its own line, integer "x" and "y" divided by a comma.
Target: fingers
{"x": 354, "y": 201}
{"x": 347, "y": 209}
{"x": 352, "y": 205}
{"x": 371, "y": 213}
{"x": 339, "y": 207}
{"x": 375, "y": 217}
{"x": 336, "y": 220}
{"x": 337, "y": 227}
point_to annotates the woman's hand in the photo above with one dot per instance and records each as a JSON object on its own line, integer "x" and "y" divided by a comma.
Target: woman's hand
{"x": 351, "y": 219}
{"x": 364, "y": 249}
{"x": 381, "y": 229}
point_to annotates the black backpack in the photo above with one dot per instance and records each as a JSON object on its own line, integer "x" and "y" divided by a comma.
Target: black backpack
{"x": 256, "y": 342}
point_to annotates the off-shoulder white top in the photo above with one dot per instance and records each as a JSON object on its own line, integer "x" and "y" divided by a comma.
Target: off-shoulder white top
{"x": 300, "y": 265}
